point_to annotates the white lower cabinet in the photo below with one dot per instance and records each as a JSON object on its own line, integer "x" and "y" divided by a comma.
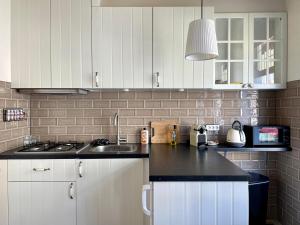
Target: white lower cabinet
{"x": 205, "y": 203}
{"x": 47, "y": 203}
{"x": 109, "y": 192}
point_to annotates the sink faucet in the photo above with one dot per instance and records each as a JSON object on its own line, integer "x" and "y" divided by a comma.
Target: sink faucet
{"x": 117, "y": 123}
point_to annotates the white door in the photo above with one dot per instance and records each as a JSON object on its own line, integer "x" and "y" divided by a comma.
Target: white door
{"x": 30, "y": 44}
{"x": 122, "y": 47}
{"x": 268, "y": 50}
{"x": 231, "y": 66}
{"x": 47, "y": 203}
{"x": 205, "y": 203}
{"x": 71, "y": 57}
{"x": 109, "y": 192}
{"x": 171, "y": 70}
{"x": 3, "y": 193}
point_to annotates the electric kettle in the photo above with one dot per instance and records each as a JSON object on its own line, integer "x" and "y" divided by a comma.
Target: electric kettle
{"x": 235, "y": 135}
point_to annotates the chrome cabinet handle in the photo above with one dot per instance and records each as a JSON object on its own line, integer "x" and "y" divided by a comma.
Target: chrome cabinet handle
{"x": 41, "y": 169}
{"x": 156, "y": 78}
{"x": 71, "y": 191}
{"x": 146, "y": 188}
{"x": 245, "y": 85}
{"x": 80, "y": 169}
{"x": 97, "y": 79}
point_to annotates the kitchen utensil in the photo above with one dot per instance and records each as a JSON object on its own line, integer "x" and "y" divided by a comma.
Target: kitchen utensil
{"x": 160, "y": 131}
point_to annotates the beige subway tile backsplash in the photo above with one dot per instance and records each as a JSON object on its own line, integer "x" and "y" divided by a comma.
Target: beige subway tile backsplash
{"x": 91, "y": 115}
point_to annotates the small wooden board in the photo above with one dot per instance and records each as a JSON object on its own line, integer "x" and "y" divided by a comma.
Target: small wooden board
{"x": 160, "y": 131}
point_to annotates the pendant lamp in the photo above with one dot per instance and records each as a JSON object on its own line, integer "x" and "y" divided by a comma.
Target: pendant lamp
{"x": 202, "y": 40}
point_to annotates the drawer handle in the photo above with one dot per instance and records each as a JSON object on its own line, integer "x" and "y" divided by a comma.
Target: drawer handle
{"x": 41, "y": 169}
{"x": 80, "y": 169}
{"x": 71, "y": 191}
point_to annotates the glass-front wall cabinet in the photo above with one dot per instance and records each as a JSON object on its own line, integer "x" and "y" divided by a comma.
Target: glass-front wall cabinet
{"x": 252, "y": 50}
{"x": 268, "y": 50}
{"x": 231, "y": 67}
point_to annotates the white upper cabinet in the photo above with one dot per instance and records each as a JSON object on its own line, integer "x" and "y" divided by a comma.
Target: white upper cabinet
{"x": 71, "y": 44}
{"x": 170, "y": 69}
{"x": 122, "y": 47}
{"x": 252, "y": 51}
{"x": 268, "y": 50}
{"x": 30, "y": 44}
{"x": 51, "y": 44}
{"x": 231, "y": 67}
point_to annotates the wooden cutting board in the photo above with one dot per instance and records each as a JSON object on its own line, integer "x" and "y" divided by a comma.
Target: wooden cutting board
{"x": 160, "y": 131}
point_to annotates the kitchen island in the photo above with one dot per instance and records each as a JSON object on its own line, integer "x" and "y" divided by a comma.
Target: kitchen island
{"x": 191, "y": 186}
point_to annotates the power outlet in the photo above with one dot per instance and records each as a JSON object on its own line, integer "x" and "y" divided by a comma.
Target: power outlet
{"x": 212, "y": 127}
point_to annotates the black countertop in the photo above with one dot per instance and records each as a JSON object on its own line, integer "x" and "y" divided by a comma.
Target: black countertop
{"x": 167, "y": 163}
{"x": 186, "y": 163}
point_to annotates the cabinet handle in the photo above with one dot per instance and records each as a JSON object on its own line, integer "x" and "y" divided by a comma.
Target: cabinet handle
{"x": 97, "y": 79}
{"x": 41, "y": 169}
{"x": 250, "y": 85}
{"x": 146, "y": 188}
{"x": 80, "y": 169}
{"x": 245, "y": 85}
{"x": 156, "y": 78}
{"x": 71, "y": 191}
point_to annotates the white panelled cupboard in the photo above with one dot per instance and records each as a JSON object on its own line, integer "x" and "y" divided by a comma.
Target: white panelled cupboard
{"x": 109, "y": 191}
{"x": 170, "y": 69}
{"x": 122, "y": 47}
{"x": 207, "y": 203}
{"x": 51, "y": 44}
{"x": 78, "y": 44}
{"x": 30, "y": 44}
{"x": 70, "y": 192}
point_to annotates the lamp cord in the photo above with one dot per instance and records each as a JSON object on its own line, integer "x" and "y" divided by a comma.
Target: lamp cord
{"x": 201, "y": 9}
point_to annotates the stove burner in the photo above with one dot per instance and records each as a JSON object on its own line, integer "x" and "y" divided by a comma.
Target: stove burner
{"x": 52, "y": 147}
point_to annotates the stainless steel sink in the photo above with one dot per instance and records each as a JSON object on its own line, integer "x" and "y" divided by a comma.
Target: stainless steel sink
{"x": 114, "y": 148}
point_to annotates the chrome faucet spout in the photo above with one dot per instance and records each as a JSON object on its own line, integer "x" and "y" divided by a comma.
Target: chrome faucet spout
{"x": 116, "y": 119}
{"x": 117, "y": 123}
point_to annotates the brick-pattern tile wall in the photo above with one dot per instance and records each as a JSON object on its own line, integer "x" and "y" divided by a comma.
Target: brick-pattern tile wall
{"x": 288, "y": 113}
{"x": 12, "y": 133}
{"x": 86, "y": 117}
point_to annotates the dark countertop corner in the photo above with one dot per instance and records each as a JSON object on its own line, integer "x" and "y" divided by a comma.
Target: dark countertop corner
{"x": 187, "y": 163}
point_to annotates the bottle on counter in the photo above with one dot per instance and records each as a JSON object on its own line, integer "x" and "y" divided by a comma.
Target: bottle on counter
{"x": 173, "y": 135}
{"x": 144, "y": 136}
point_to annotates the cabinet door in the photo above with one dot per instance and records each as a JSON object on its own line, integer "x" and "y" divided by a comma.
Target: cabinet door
{"x": 170, "y": 28}
{"x": 122, "y": 47}
{"x": 30, "y": 44}
{"x": 109, "y": 192}
{"x": 231, "y": 67}
{"x": 3, "y": 193}
{"x": 71, "y": 59}
{"x": 268, "y": 50}
{"x": 207, "y": 203}
{"x": 47, "y": 203}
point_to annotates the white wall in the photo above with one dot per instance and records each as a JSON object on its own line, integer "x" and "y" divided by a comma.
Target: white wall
{"x": 293, "y": 7}
{"x": 5, "y": 40}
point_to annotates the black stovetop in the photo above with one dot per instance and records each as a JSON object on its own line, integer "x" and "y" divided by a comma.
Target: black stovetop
{"x": 52, "y": 147}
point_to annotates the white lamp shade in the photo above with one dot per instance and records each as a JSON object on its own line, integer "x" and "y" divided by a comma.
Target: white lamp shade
{"x": 202, "y": 41}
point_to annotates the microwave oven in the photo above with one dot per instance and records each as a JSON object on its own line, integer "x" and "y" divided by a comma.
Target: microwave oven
{"x": 267, "y": 135}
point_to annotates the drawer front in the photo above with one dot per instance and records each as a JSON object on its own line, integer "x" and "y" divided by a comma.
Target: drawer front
{"x": 41, "y": 170}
